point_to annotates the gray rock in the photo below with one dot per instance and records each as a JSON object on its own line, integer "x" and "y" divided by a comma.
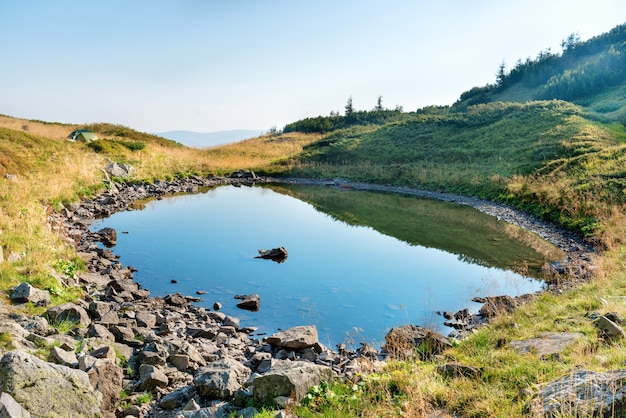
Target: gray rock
{"x": 36, "y": 324}
{"x": 29, "y": 380}
{"x": 295, "y": 338}
{"x": 119, "y": 170}
{"x": 176, "y": 299}
{"x": 69, "y": 312}
{"x": 100, "y": 331}
{"x": 153, "y": 353}
{"x": 289, "y": 378}
{"x": 105, "y": 352}
{"x": 610, "y": 328}
{"x": 231, "y": 321}
{"x": 178, "y": 398}
{"x": 180, "y": 361}
{"x": 27, "y": 293}
{"x": 9, "y": 408}
{"x": 216, "y": 410}
{"x": 547, "y": 343}
{"x": 583, "y": 394}
{"x": 150, "y": 377}
{"x": 220, "y": 379}
{"x": 65, "y": 358}
{"x": 145, "y": 319}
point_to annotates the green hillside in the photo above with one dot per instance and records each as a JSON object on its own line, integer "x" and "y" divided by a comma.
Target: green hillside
{"x": 591, "y": 74}
{"x": 519, "y": 141}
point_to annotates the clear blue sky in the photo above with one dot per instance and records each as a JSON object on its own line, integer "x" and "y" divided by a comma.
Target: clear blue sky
{"x": 209, "y": 65}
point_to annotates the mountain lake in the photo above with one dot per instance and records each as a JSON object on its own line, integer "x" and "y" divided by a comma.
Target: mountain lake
{"x": 359, "y": 262}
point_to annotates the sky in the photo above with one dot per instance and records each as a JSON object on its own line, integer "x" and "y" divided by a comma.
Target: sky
{"x": 209, "y": 65}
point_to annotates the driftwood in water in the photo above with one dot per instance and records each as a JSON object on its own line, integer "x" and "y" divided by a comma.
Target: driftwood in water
{"x": 275, "y": 254}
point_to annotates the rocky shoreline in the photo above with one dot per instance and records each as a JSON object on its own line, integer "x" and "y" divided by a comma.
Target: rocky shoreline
{"x": 192, "y": 361}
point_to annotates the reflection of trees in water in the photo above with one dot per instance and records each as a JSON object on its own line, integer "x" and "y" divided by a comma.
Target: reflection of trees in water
{"x": 474, "y": 237}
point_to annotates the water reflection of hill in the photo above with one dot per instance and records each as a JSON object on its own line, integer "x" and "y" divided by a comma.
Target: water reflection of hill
{"x": 473, "y": 236}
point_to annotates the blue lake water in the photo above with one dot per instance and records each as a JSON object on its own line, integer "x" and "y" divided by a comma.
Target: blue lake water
{"x": 351, "y": 281}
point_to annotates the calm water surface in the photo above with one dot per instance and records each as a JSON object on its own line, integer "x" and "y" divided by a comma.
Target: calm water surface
{"x": 359, "y": 262}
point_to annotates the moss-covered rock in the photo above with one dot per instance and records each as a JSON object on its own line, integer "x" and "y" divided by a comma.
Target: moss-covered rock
{"x": 47, "y": 390}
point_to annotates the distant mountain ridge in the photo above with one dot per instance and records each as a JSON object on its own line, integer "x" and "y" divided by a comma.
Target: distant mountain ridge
{"x": 209, "y": 139}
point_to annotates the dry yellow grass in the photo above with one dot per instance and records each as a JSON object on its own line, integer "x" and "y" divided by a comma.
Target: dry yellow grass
{"x": 257, "y": 152}
{"x": 47, "y": 130}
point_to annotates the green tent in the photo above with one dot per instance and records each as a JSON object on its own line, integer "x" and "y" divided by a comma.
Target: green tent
{"x": 84, "y": 135}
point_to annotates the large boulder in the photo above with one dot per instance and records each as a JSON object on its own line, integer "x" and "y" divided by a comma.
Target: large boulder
{"x": 220, "y": 379}
{"x": 290, "y": 379}
{"x": 46, "y": 389}
{"x": 295, "y": 338}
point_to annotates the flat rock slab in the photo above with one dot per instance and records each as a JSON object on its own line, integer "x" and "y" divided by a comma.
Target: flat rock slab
{"x": 582, "y": 394}
{"x": 547, "y": 343}
{"x": 295, "y": 338}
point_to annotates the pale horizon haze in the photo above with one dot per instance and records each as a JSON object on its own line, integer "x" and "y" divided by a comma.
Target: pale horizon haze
{"x": 208, "y": 66}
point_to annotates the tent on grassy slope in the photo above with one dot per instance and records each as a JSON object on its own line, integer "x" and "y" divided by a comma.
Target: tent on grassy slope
{"x": 84, "y": 135}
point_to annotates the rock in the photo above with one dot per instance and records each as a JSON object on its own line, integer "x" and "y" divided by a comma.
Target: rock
{"x": 546, "y": 344}
{"x": 610, "y": 329}
{"x": 36, "y": 324}
{"x": 30, "y": 381}
{"x": 495, "y": 305}
{"x": 153, "y": 353}
{"x": 108, "y": 236}
{"x": 27, "y": 293}
{"x": 119, "y": 170}
{"x": 150, "y": 377}
{"x": 180, "y": 361}
{"x": 243, "y": 174}
{"x": 410, "y": 340}
{"x": 250, "y": 302}
{"x": 65, "y": 358}
{"x": 9, "y": 408}
{"x": 69, "y": 312}
{"x": 278, "y": 255}
{"x": 583, "y": 394}
{"x": 145, "y": 319}
{"x": 105, "y": 352}
{"x": 220, "y": 379}
{"x": 452, "y": 370}
{"x": 289, "y": 378}
{"x": 217, "y": 306}
{"x": 106, "y": 377}
{"x": 295, "y": 338}
{"x": 100, "y": 331}
{"x": 177, "y": 398}
{"x": 231, "y": 321}
{"x": 176, "y": 299}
